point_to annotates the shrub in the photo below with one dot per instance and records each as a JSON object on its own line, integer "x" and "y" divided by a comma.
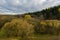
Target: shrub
{"x": 48, "y": 27}
{"x": 2, "y": 34}
{"x": 18, "y": 27}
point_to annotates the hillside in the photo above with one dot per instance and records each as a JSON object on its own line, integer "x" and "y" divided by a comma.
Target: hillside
{"x": 40, "y": 25}
{"x": 47, "y": 14}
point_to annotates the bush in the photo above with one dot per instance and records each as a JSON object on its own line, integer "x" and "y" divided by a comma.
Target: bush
{"x": 2, "y": 34}
{"x": 18, "y": 28}
{"x": 48, "y": 27}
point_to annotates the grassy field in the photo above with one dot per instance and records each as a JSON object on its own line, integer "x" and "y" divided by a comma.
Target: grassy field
{"x": 41, "y": 37}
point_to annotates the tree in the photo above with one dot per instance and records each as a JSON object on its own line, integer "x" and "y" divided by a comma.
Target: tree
{"x": 27, "y": 16}
{"x": 58, "y": 9}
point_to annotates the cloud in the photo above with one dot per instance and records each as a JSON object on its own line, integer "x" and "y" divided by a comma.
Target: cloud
{"x": 22, "y": 6}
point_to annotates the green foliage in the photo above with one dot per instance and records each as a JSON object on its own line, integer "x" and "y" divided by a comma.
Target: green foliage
{"x": 48, "y": 14}
{"x": 2, "y": 34}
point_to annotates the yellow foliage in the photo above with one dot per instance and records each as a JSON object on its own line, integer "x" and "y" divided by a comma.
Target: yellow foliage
{"x": 27, "y": 16}
{"x": 58, "y": 9}
{"x": 48, "y": 8}
{"x": 53, "y": 23}
{"x": 43, "y": 23}
{"x": 17, "y": 27}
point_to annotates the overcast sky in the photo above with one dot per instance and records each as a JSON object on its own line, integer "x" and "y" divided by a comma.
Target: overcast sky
{"x": 23, "y": 6}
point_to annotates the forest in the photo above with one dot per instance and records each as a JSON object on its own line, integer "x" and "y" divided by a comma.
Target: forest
{"x": 30, "y": 25}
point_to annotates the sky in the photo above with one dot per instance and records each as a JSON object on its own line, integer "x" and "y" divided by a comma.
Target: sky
{"x": 23, "y": 6}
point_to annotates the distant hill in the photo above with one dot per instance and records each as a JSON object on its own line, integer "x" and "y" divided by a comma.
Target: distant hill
{"x": 52, "y": 13}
